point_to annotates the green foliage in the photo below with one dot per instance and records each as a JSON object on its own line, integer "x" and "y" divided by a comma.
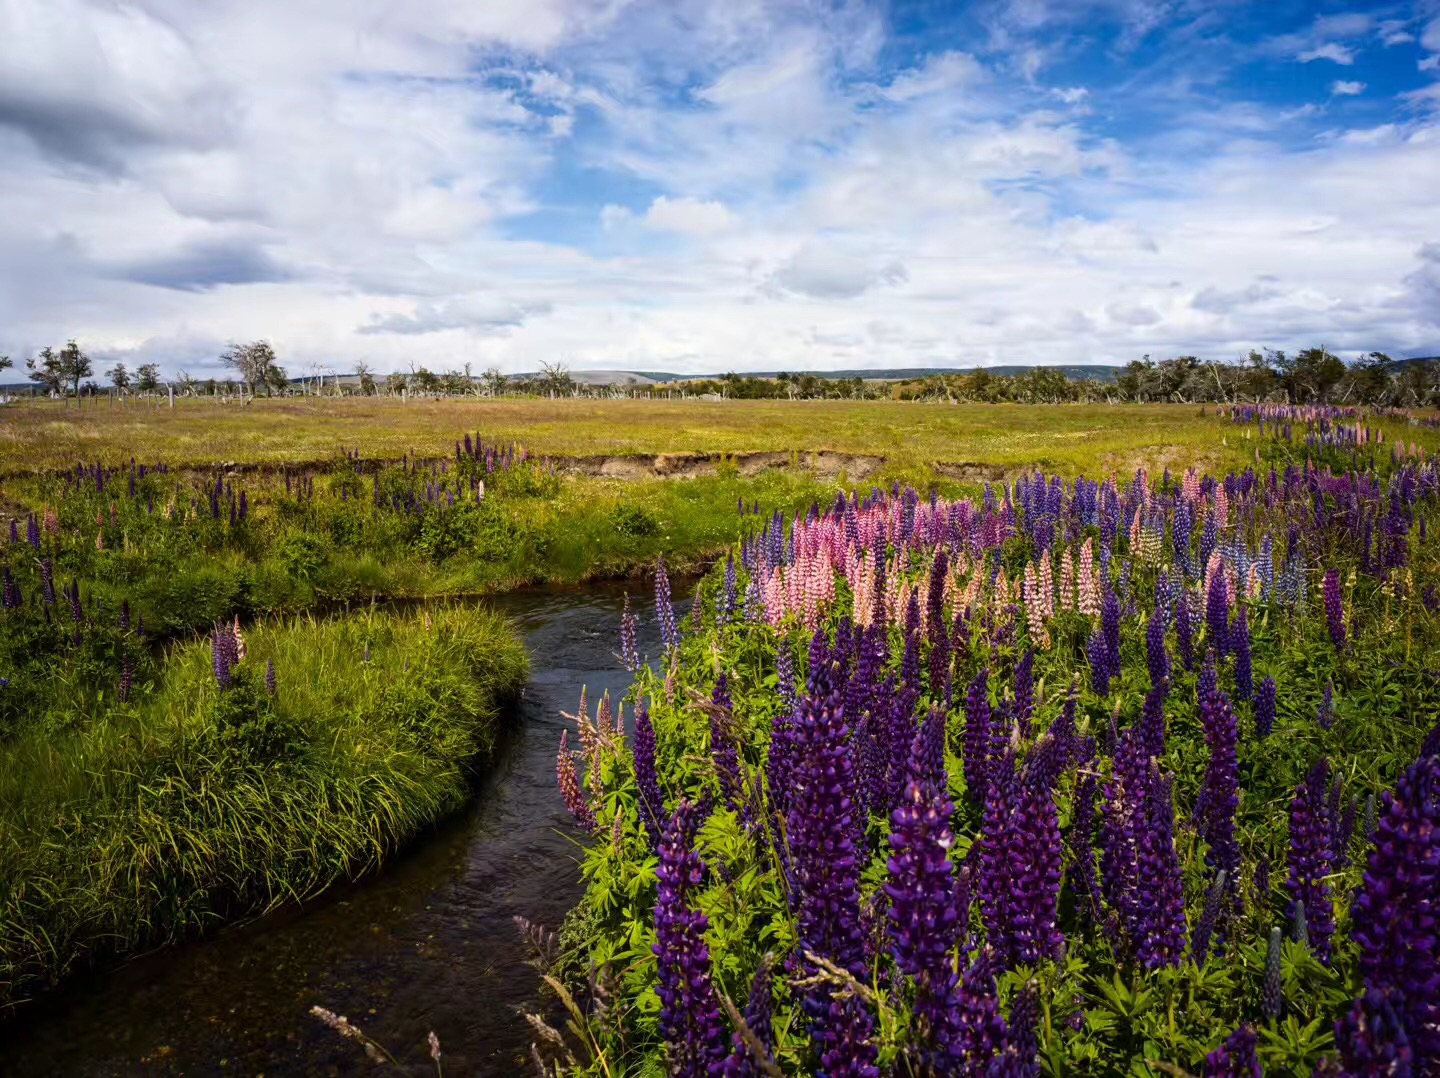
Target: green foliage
{"x": 148, "y": 823}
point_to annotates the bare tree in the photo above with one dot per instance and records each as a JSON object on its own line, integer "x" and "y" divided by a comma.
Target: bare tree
{"x": 253, "y": 362}
{"x": 495, "y": 382}
{"x": 555, "y": 379}
{"x": 366, "y": 377}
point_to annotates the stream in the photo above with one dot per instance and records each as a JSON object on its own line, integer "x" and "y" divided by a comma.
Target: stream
{"x": 428, "y": 943}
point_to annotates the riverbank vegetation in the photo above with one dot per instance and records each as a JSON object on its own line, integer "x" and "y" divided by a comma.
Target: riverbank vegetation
{"x": 1126, "y": 775}
{"x": 238, "y": 772}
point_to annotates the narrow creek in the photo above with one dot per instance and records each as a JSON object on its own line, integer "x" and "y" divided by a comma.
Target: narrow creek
{"x": 426, "y": 944}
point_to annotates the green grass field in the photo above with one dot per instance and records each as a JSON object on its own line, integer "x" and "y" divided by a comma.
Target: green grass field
{"x": 1065, "y": 439}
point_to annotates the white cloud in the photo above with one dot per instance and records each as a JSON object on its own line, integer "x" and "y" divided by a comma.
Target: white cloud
{"x": 1330, "y": 50}
{"x": 1430, "y": 37}
{"x": 689, "y": 216}
{"x": 1344, "y": 88}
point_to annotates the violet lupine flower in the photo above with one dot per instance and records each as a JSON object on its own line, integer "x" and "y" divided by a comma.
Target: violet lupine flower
{"x": 1236, "y": 1058}
{"x": 923, "y": 915}
{"x": 1155, "y": 655}
{"x": 647, "y": 780}
{"x": 695, "y": 1041}
{"x": 1025, "y": 692}
{"x": 1209, "y": 914}
{"x": 822, "y": 831}
{"x": 629, "y": 631}
{"x": 1373, "y": 1038}
{"x": 1311, "y": 831}
{"x": 1098, "y": 653}
{"x": 1265, "y": 708}
{"x": 1396, "y": 914}
{"x": 664, "y": 609}
{"x": 1020, "y": 868}
{"x": 1220, "y": 790}
{"x": 1334, "y": 608}
{"x": 723, "y": 750}
{"x": 1159, "y": 890}
{"x": 1217, "y": 613}
{"x": 1152, "y": 720}
{"x": 759, "y": 1019}
{"x": 1184, "y": 631}
{"x": 1325, "y": 716}
{"x": 47, "y": 581}
{"x": 981, "y": 1033}
{"x": 1240, "y": 645}
{"x": 778, "y": 759}
{"x": 567, "y": 776}
{"x": 1110, "y": 623}
{"x": 220, "y": 653}
{"x": 1431, "y": 745}
{"x": 727, "y": 604}
{"x": 977, "y": 736}
{"x": 270, "y": 676}
{"x": 1272, "y": 990}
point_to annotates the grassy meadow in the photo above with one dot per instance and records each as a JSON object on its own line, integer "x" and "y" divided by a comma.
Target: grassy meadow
{"x": 1068, "y": 440}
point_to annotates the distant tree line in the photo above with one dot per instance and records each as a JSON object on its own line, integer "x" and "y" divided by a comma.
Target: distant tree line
{"x": 1312, "y": 375}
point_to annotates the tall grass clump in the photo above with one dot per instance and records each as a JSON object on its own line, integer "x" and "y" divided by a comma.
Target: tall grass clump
{"x": 261, "y": 768}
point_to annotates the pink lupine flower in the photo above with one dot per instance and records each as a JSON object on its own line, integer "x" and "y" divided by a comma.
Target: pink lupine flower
{"x": 1067, "y": 580}
{"x": 1087, "y": 593}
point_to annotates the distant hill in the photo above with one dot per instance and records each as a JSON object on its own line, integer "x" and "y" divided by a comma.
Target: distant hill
{"x": 1097, "y": 372}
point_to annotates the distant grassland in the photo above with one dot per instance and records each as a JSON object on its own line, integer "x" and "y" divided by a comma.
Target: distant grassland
{"x": 1069, "y": 439}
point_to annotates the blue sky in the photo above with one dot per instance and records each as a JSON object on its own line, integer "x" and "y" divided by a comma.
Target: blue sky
{"x": 705, "y": 186}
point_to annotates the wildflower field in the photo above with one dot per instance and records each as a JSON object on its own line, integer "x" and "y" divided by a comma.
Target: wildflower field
{"x": 1115, "y": 775}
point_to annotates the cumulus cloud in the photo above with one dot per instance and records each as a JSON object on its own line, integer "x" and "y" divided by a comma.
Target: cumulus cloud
{"x": 1343, "y": 88}
{"x": 480, "y": 315}
{"x": 689, "y": 216}
{"x": 825, "y": 271}
{"x": 1330, "y": 50}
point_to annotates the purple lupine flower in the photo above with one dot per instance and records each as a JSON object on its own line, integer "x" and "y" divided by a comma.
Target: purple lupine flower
{"x": 778, "y": 759}
{"x": 1220, "y": 789}
{"x": 1110, "y": 624}
{"x": 664, "y": 610}
{"x": 1272, "y": 991}
{"x": 1265, "y": 708}
{"x": 1025, "y": 1030}
{"x": 1236, "y": 1058}
{"x": 1083, "y": 879}
{"x": 1396, "y": 914}
{"x": 1155, "y": 655}
{"x": 1240, "y": 645}
{"x": 629, "y": 632}
{"x": 567, "y": 775}
{"x": 759, "y": 1019}
{"x": 695, "y": 1041}
{"x": 1184, "y": 631}
{"x": 47, "y": 581}
{"x": 923, "y": 914}
{"x": 1431, "y": 745}
{"x": 977, "y": 736}
{"x": 727, "y": 604}
{"x": 1374, "y": 1040}
{"x": 10, "y": 597}
{"x": 270, "y": 676}
{"x": 1160, "y": 891}
{"x": 1311, "y": 832}
{"x": 981, "y": 1034}
{"x": 1209, "y": 914}
{"x": 220, "y": 654}
{"x": 647, "y": 779}
{"x": 822, "y": 830}
{"x": 1334, "y": 608}
{"x": 723, "y": 750}
{"x": 1152, "y": 720}
{"x": 1217, "y": 614}
{"x": 1020, "y": 868}
{"x": 1325, "y": 716}
{"x": 1098, "y": 653}
{"x": 32, "y": 531}
{"x": 1025, "y": 692}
